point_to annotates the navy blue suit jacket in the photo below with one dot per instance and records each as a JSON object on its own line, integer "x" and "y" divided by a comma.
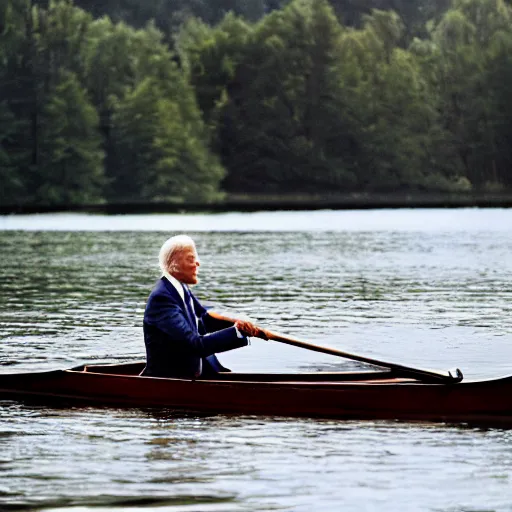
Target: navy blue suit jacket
{"x": 175, "y": 345}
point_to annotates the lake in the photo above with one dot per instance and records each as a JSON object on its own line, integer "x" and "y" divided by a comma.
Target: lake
{"x": 431, "y": 288}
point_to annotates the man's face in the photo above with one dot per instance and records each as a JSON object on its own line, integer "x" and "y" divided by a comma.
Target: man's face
{"x": 187, "y": 266}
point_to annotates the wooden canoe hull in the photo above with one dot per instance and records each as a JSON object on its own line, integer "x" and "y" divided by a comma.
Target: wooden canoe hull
{"x": 488, "y": 401}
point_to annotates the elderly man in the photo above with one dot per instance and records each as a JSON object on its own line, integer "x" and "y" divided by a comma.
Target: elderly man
{"x": 181, "y": 337}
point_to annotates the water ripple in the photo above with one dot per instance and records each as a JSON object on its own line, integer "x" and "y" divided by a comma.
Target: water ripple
{"x": 432, "y": 289}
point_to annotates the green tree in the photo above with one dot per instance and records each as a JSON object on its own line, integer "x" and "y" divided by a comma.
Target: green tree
{"x": 141, "y": 94}
{"x": 170, "y": 15}
{"x": 70, "y": 170}
{"x": 499, "y": 76}
{"x": 470, "y": 39}
{"x": 161, "y": 155}
{"x": 397, "y": 124}
{"x": 273, "y": 93}
{"x": 210, "y": 57}
{"x": 37, "y": 46}
{"x": 10, "y": 39}
{"x": 12, "y": 189}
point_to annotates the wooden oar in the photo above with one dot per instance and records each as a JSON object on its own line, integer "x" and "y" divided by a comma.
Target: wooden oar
{"x": 434, "y": 376}
{"x": 450, "y": 376}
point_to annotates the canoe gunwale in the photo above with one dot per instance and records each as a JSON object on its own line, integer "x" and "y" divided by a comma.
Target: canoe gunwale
{"x": 280, "y": 377}
{"x": 353, "y": 378}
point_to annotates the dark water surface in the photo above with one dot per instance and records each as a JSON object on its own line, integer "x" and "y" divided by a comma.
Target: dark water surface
{"x": 425, "y": 287}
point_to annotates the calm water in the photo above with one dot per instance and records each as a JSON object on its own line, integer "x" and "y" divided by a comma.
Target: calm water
{"x": 425, "y": 287}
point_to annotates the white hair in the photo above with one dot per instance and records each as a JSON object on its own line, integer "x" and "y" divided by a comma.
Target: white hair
{"x": 171, "y": 248}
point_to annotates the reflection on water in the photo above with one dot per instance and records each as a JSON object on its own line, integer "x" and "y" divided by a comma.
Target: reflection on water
{"x": 431, "y": 288}
{"x": 92, "y": 457}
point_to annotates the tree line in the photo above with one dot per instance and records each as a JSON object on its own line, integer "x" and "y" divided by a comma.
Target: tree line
{"x": 100, "y": 103}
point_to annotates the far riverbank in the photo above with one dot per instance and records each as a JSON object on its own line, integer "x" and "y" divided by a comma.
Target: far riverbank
{"x": 249, "y": 203}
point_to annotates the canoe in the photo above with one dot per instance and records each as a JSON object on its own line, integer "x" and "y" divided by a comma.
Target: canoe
{"x": 343, "y": 395}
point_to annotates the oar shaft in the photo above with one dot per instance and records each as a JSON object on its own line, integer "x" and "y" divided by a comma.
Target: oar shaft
{"x": 324, "y": 350}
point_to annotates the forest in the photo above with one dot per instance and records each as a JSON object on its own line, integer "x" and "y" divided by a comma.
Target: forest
{"x": 193, "y": 101}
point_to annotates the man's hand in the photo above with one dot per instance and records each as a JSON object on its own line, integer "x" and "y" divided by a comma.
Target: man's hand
{"x": 249, "y": 329}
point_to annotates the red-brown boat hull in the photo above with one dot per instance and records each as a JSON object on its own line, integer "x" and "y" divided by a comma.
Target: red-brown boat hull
{"x": 487, "y": 401}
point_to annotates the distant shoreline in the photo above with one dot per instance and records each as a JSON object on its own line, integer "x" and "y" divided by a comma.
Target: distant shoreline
{"x": 252, "y": 203}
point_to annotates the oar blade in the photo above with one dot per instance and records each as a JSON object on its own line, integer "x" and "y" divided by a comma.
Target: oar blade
{"x": 451, "y": 376}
